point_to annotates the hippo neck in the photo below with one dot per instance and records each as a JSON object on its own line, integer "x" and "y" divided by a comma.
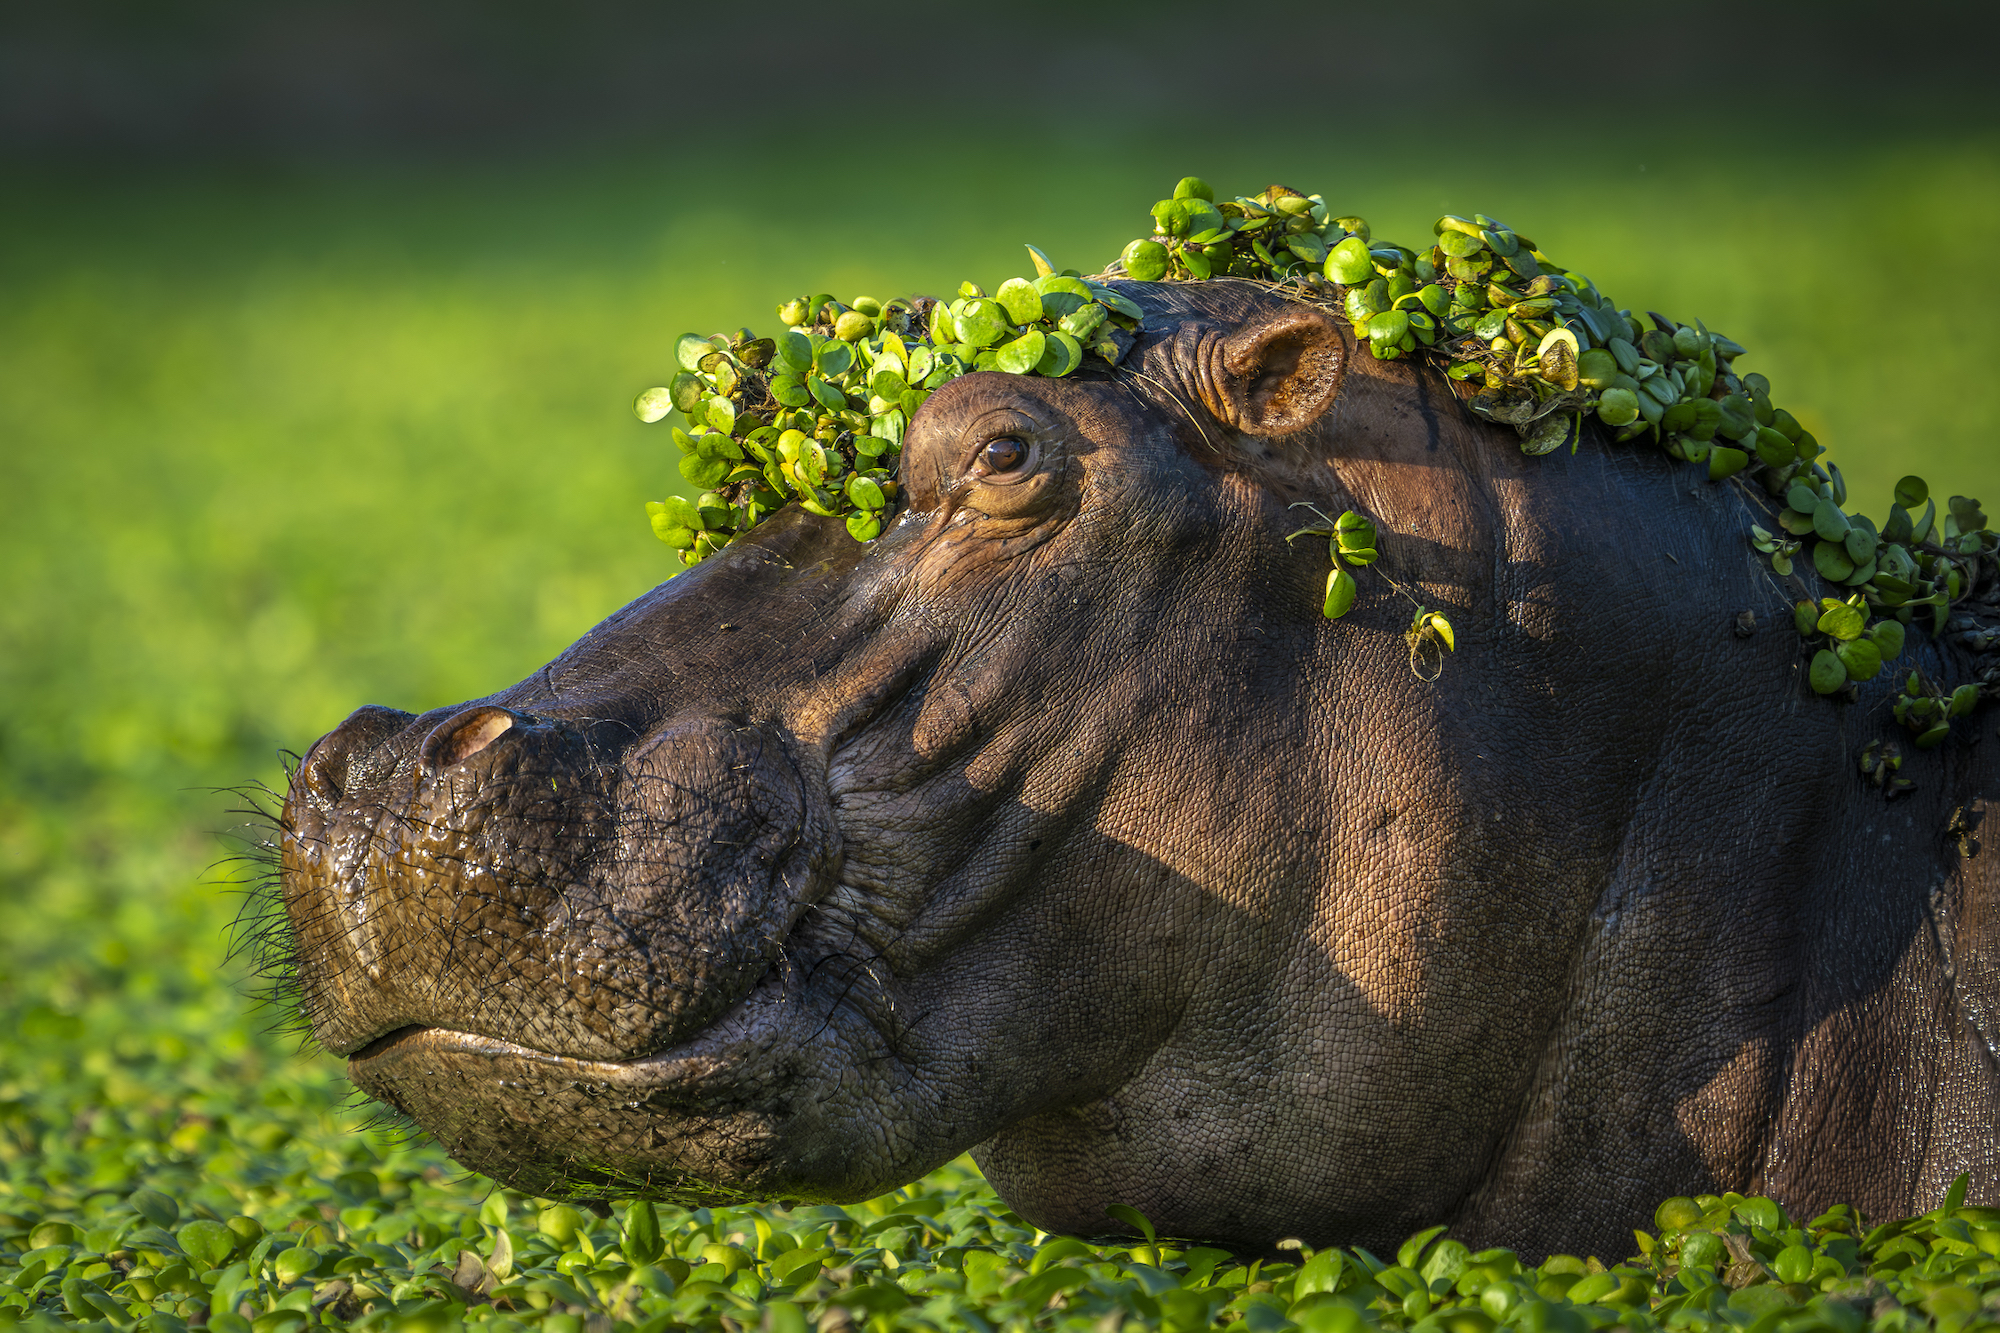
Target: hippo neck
{"x": 1826, "y": 958}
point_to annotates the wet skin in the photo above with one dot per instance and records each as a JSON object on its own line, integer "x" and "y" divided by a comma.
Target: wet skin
{"x": 1057, "y": 824}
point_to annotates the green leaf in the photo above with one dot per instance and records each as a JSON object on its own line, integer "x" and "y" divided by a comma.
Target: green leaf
{"x": 1062, "y": 286}
{"x": 1963, "y": 700}
{"x": 1830, "y": 559}
{"x": 1773, "y": 448}
{"x": 704, "y": 472}
{"x": 679, "y": 511}
{"x": 834, "y": 358}
{"x": 1862, "y": 542}
{"x": 1349, "y": 262}
{"x": 790, "y": 390}
{"x": 1133, "y": 1218}
{"x": 1084, "y": 322}
{"x": 1340, "y": 594}
{"x": 1725, "y": 461}
{"x": 795, "y": 351}
{"x": 1145, "y": 261}
{"x": 1827, "y": 673}
{"x": 1413, "y": 1249}
{"x": 690, "y": 348}
{"x": 832, "y": 399}
{"x": 1889, "y": 637}
{"x": 1842, "y": 621}
{"x": 1321, "y": 1273}
{"x": 721, "y": 414}
{"x": 1912, "y": 491}
{"x": 1920, "y": 529}
{"x": 811, "y": 464}
{"x": 1115, "y": 301}
{"x": 1619, "y": 407}
{"x": 1023, "y": 354}
{"x": 1387, "y": 329}
{"x": 981, "y": 322}
{"x": 687, "y": 390}
{"x": 1353, "y": 532}
{"x": 1018, "y": 297}
{"x": 210, "y": 1243}
{"x": 641, "y": 1242}
{"x": 1061, "y": 354}
{"x": 159, "y": 1209}
{"x": 864, "y": 493}
{"x": 1861, "y": 657}
{"x": 653, "y": 404}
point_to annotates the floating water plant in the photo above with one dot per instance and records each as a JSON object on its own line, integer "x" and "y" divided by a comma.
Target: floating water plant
{"x": 817, "y": 416}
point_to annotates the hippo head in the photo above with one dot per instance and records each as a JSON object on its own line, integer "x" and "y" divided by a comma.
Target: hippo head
{"x": 1059, "y": 824}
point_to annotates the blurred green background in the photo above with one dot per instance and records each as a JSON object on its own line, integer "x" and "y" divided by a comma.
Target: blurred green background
{"x": 291, "y": 425}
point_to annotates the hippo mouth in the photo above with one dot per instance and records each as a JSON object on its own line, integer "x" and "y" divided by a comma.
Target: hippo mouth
{"x": 703, "y": 1122}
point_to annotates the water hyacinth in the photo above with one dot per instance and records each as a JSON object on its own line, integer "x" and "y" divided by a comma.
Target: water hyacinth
{"x": 388, "y": 1249}
{"x": 817, "y": 417}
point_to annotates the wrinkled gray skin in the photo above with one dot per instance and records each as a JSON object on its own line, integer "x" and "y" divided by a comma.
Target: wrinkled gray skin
{"x": 1059, "y": 825}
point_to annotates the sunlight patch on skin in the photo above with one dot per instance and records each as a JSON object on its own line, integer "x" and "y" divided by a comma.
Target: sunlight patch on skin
{"x": 1711, "y": 1118}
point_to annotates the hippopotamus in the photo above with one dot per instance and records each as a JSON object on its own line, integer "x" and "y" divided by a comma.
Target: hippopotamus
{"x": 1059, "y": 825}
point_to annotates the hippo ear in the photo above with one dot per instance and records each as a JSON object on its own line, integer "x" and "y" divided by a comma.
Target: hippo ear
{"x": 1281, "y": 371}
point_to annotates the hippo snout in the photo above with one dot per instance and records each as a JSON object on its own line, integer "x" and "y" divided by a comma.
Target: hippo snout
{"x": 340, "y": 757}
{"x": 517, "y": 875}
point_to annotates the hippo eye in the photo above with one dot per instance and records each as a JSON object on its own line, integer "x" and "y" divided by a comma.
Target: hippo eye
{"x": 1006, "y": 449}
{"x": 1003, "y": 455}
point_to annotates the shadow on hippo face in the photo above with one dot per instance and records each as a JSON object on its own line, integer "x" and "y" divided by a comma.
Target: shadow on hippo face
{"x": 1059, "y": 825}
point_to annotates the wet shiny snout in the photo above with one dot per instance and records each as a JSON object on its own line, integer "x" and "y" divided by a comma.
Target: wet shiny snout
{"x": 349, "y": 756}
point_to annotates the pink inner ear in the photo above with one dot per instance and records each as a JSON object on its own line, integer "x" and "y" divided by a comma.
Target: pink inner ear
{"x": 1288, "y": 371}
{"x": 475, "y": 734}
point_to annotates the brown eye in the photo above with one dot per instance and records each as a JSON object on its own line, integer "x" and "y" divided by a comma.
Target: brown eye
{"x": 1004, "y": 454}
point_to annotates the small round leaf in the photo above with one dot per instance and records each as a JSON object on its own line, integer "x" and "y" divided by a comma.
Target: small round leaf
{"x": 865, "y": 493}
{"x": 981, "y": 322}
{"x": 1018, "y": 297}
{"x": 1023, "y": 354}
{"x": 653, "y": 404}
{"x": 1861, "y": 657}
{"x": 1340, "y": 594}
{"x": 1827, "y": 674}
{"x": 1145, "y": 261}
{"x": 209, "y": 1243}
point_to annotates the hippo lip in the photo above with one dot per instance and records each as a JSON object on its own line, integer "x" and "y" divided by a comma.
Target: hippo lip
{"x": 415, "y": 1040}
{"x": 387, "y": 1067}
{"x": 693, "y": 1121}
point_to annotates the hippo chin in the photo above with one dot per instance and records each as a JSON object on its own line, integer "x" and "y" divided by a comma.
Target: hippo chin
{"x": 1059, "y": 825}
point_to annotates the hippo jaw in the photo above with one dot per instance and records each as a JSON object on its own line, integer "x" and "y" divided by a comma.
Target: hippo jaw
{"x": 716, "y": 1119}
{"x": 502, "y": 904}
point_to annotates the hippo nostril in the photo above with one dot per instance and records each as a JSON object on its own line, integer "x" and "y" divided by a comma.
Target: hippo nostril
{"x": 465, "y": 734}
{"x": 330, "y": 767}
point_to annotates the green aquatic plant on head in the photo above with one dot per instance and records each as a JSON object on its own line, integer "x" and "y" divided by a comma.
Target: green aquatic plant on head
{"x": 817, "y": 415}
